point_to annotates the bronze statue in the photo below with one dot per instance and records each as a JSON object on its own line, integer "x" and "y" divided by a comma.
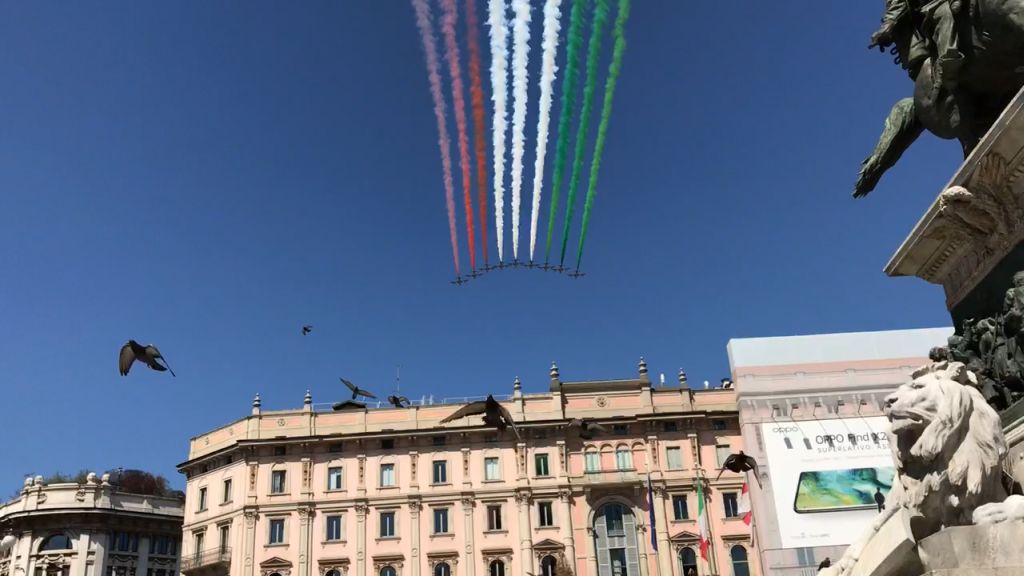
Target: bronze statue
{"x": 966, "y": 58}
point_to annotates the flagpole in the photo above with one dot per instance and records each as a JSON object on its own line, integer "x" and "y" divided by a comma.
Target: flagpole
{"x": 713, "y": 556}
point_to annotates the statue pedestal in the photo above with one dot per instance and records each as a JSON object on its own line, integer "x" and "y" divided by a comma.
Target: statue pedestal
{"x": 990, "y": 550}
{"x": 891, "y": 552}
{"x": 971, "y": 241}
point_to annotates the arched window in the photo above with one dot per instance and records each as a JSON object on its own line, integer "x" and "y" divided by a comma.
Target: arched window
{"x": 387, "y": 571}
{"x": 688, "y": 562}
{"x": 55, "y": 542}
{"x": 592, "y": 460}
{"x": 547, "y": 566}
{"x": 623, "y": 458}
{"x": 740, "y": 567}
{"x": 497, "y": 568}
{"x": 442, "y": 569}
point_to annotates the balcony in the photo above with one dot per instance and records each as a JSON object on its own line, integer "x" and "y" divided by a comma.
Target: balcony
{"x": 207, "y": 563}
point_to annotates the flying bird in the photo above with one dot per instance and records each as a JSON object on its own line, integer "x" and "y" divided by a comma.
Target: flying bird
{"x": 586, "y": 427}
{"x": 357, "y": 391}
{"x": 826, "y": 563}
{"x": 494, "y": 413}
{"x": 148, "y": 355}
{"x": 740, "y": 462}
{"x": 307, "y": 329}
{"x": 398, "y": 401}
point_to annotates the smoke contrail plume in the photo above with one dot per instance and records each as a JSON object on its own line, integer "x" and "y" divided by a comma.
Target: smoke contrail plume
{"x": 572, "y": 60}
{"x": 430, "y": 52}
{"x": 520, "y": 58}
{"x": 547, "y": 81}
{"x": 499, "y": 76}
{"x": 593, "y": 52}
{"x": 619, "y": 34}
{"x": 448, "y": 20}
{"x": 476, "y": 92}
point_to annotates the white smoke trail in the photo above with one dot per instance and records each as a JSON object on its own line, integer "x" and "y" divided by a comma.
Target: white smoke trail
{"x": 499, "y": 93}
{"x": 552, "y": 12}
{"x": 520, "y": 58}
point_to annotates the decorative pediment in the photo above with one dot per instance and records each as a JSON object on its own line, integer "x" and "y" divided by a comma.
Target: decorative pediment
{"x": 394, "y": 560}
{"x": 339, "y": 565}
{"x": 450, "y": 557}
{"x": 548, "y": 547}
{"x": 684, "y": 537}
{"x": 735, "y": 538}
{"x": 275, "y": 565}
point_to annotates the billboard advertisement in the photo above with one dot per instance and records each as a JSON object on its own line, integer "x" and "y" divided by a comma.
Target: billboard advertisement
{"x": 827, "y": 477}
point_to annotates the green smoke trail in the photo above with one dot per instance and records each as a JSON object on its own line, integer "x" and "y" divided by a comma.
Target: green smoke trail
{"x": 619, "y": 34}
{"x": 574, "y": 43}
{"x": 593, "y": 52}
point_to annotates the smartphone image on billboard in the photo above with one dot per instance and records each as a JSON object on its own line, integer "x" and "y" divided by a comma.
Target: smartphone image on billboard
{"x": 841, "y": 490}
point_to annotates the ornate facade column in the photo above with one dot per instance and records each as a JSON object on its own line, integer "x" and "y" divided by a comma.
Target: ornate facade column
{"x": 143, "y": 562}
{"x": 568, "y": 532}
{"x": 78, "y": 564}
{"x": 664, "y": 544}
{"x": 250, "y": 542}
{"x": 468, "y": 501}
{"x": 361, "y": 510}
{"x": 591, "y": 552}
{"x": 415, "y": 506}
{"x": 523, "y": 501}
{"x": 305, "y": 536}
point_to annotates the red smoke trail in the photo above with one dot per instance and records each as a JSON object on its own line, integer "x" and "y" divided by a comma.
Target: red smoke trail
{"x": 430, "y": 52}
{"x": 476, "y": 92}
{"x": 448, "y": 20}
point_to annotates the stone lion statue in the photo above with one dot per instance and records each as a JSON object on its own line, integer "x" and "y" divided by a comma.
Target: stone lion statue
{"x": 948, "y": 447}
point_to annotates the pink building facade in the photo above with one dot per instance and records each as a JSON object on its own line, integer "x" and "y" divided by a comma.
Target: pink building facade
{"x": 391, "y": 492}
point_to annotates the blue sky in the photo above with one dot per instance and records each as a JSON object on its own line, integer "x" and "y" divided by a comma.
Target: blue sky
{"x": 210, "y": 176}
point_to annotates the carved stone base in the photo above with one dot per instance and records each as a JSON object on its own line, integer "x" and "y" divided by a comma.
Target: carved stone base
{"x": 975, "y": 550}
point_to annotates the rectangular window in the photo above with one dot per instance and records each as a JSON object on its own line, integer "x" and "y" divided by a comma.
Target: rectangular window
{"x": 199, "y": 537}
{"x": 722, "y": 451}
{"x": 162, "y": 546}
{"x": 680, "y": 511}
{"x": 731, "y": 505}
{"x": 387, "y": 475}
{"x": 276, "y": 531}
{"x": 491, "y": 470}
{"x": 333, "y": 528}
{"x": 805, "y": 557}
{"x": 227, "y": 491}
{"x": 540, "y": 465}
{"x": 334, "y": 478}
{"x": 225, "y": 538}
{"x": 718, "y": 425}
{"x": 494, "y": 517}
{"x": 387, "y": 524}
{"x": 674, "y": 456}
{"x": 545, "y": 514}
{"x": 277, "y": 482}
{"x": 613, "y": 520}
{"x": 125, "y": 542}
{"x": 440, "y": 472}
{"x": 593, "y": 462}
{"x": 623, "y": 459}
{"x": 202, "y": 499}
{"x": 440, "y": 520}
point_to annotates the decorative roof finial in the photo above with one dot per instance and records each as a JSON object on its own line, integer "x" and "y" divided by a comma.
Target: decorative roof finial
{"x": 517, "y": 385}
{"x": 643, "y": 367}
{"x": 307, "y": 399}
{"x": 554, "y": 370}
{"x": 682, "y": 378}
{"x": 256, "y": 401}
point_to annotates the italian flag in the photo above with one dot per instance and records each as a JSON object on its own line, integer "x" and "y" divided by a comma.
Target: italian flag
{"x": 702, "y": 520}
{"x": 744, "y": 505}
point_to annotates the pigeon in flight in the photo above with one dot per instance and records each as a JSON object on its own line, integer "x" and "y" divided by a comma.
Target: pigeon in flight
{"x": 307, "y": 329}
{"x": 398, "y": 401}
{"x": 586, "y": 427}
{"x": 357, "y": 391}
{"x": 826, "y": 563}
{"x": 740, "y": 463}
{"x": 148, "y": 355}
{"x": 494, "y": 413}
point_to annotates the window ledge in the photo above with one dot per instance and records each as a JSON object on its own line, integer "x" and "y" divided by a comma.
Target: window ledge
{"x": 546, "y": 528}
{"x": 444, "y": 535}
{"x": 387, "y": 538}
{"x": 276, "y": 494}
{"x": 499, "y": 531}
{"x": 493, "y": 481}
{"x": 544, "y": 477}
{"x": 681, "y": 520}
{"x": 278, "y": 545}
{"x": 201, "y": 510}
{"x": 226, "y": 502}
{"x": 342, "y": 541}
{"x": 332, "y": 490}
{"x": 387, "y": 487}
{"x": 437, "y": 484}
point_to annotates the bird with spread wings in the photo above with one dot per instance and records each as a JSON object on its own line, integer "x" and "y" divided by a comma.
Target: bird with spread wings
{"x": 357, "y": 391}
{"x": 740, "y": 463}
{"x": 398, "y": 401}
{"x": 495, "y": 415}
{"x": 586, "y": 427}
{"x": 148, "y": 355}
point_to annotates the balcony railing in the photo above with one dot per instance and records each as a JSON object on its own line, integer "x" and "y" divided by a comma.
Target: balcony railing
{"x": 206, "y": 559}
{"x": 609, "y": 477}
